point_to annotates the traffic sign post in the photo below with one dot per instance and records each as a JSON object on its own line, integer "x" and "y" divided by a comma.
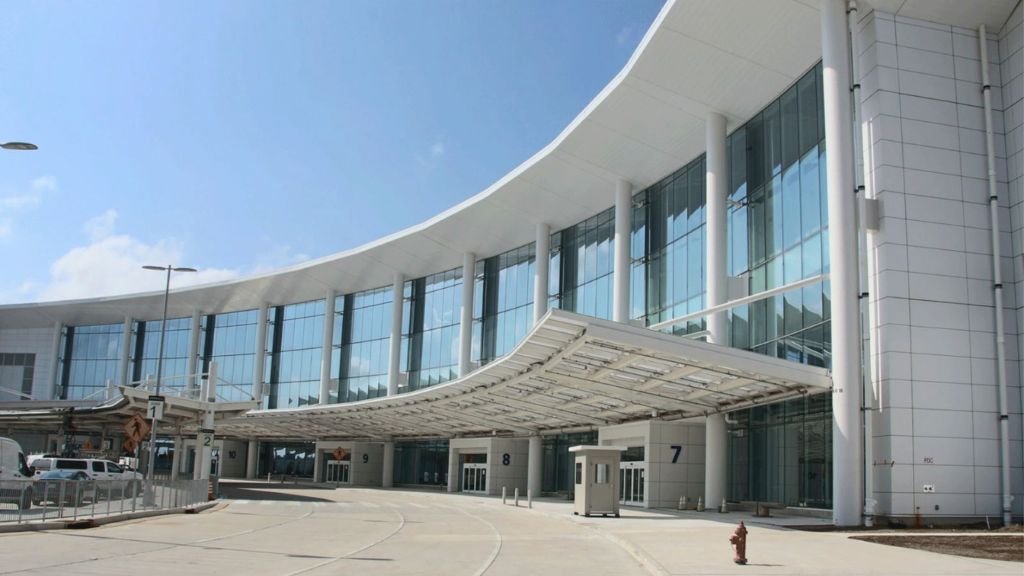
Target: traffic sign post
{"x": 155, "y": 408}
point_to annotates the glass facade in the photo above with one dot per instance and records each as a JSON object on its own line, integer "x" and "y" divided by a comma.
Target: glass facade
{"x": 296, "y": 334}
{"x": 558, "y": 462}
{"x": 503, "y": 302}
{"x": 668, "y": 248}
{"x": 362, "y": 333}
{"x": 146, "y": 346}
{"x": 296, "y": 459}
{"x": 90, "y": 356}
{"x": 783, "y": 453}
{"x": 584, "y": 266}
{"x": 421, "y": 462}
{"x": 230, "y": 340}
{"x": 430, "y": 333}
{"x": 778, "y": 229}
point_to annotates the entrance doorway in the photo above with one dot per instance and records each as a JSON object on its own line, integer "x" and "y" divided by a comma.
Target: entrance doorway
{"x": 474, "y": 478}
{"x": 631, "y": 483}
{"x": 338, "y": 472}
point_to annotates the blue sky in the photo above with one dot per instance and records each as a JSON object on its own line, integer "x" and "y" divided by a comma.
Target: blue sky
{"x": 241, "y": 136}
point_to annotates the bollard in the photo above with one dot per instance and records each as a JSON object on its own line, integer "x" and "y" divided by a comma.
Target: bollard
{"x": 700, "y": 504}
{"x": 739, "y": 544}
{"x": 516, "y": 497}
{"x": 268, "y": 477}
{"x": 529, "y": 498}
{"x": 724, "y": 507}
{"x": 503, "y": 495}
{"x": 682, "y": 501}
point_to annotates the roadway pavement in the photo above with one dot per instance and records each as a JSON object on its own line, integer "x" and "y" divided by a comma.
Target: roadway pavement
{"x": 277, "y": 530}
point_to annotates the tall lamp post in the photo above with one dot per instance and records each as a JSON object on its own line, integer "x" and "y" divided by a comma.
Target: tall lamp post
{"x": 150, "y": 496}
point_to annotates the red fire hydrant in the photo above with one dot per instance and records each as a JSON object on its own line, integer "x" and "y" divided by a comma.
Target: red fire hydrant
{"x": 739, "y": 544}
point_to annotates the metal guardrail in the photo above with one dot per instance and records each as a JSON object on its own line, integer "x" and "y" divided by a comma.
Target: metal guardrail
{"x": 70, "y": 500}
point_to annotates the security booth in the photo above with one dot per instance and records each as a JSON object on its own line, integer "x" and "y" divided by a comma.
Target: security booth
{"x": 597, "y": 479}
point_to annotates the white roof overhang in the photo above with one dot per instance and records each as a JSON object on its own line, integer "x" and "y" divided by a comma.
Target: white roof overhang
{"x": 570, "y": 371}
{"x": 728, "y": 56}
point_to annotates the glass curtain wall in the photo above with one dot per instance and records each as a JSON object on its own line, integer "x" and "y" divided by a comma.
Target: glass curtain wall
{"x": 296, "y": 332}
{"x": 296, "y": 459}
{"x": 431, "y": 329}
{"x": 778, "y": 234}
{"x": 783, "y": 453}
{"x": 558, "y": 462}
{"x": 778, "y": 223}
{"x": 668, "y": 249}
{"x": 585, "y": 253}
{"x": 362, "y": 344}
{"x": 503, "y": 302}
{"x": 421, "y": 462}
{"x": 146, "y": 349}
{"x": 230, "y": 340}
{"x": 91, "y": 356}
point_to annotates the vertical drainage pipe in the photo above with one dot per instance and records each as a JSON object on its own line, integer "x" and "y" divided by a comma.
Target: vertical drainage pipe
{"x": 997, "y": 283}
{"x": 865, "y": 265}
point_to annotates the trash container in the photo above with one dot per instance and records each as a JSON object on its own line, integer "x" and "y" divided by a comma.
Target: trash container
{"x": 597, "y": 480}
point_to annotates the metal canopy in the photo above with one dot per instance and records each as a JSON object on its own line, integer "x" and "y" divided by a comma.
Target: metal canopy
{"x": 571, "y": 371}
{"x": 181, "y": 413}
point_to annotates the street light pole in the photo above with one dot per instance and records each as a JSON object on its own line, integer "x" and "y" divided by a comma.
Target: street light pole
{"x": 150, "y": 496}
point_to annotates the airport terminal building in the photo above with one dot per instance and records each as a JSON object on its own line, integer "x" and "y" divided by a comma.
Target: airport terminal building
{"x": 779, "y": 258}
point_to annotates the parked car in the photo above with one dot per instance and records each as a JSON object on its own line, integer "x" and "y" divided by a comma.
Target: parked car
{"x": 112, "y": 476}
{"x": 67, "y": 487}
{"x": 15, "y": 475}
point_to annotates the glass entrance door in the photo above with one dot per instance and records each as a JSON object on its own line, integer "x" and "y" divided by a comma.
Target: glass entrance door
{"x": 631, "y": 483}
{"x": 474, "y": 478}
{"x": 338, "y": 471}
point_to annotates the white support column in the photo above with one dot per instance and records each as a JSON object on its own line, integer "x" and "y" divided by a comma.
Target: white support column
{"x": 261, "y": 355}
{"x": 453, "y": 469}
{"x": 55, "y": 375}
{"x": 318, "y": 463}
{"x": 395, "y": 356}
{"x": 126, "y": 353}
{"x": 388, "y": 475}
{"x": 179, "y": 447}
{"x": 251, "y": 458}
{"x": 193, "y": 350}
{"x": 847, "y": 475}
{"x": 542, "y": 265}
{"x": 535, "y": 466}
{"x": 716, "y": 191}
{"x": 621, "y": 269}
{"x": 466, "y": 326}
{"x": 206, "y": 449}
{"x": 326, "y": 349}
{"x": 714, "y": 461}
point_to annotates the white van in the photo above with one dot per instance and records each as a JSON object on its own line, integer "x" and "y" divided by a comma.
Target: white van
{"x": 15, "y": 475}
{"x": 102, "y": 470}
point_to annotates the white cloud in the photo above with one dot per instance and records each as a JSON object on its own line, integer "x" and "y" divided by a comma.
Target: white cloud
{"x": 432, "y": 155}
{"x": 101, "y": 226}
{"x": 625, "y": 35}
{"x": 112, "y": 263}
{"x": 32, "y": 197}
{"x": 44, "y": 184}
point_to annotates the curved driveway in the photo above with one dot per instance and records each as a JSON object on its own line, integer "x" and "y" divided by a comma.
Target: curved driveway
{"x": 285, "y": 530}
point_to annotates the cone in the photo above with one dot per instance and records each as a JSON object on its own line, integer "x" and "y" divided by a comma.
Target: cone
{"x": 700, "y": 504}
{"x": 724, "y": 507}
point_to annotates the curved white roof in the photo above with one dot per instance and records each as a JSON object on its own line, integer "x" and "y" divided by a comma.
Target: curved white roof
{"x": 728, "y": 56}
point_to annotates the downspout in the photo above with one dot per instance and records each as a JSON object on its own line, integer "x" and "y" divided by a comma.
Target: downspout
{"x": 997, "y": 284}
{"x": 865, "y": 258}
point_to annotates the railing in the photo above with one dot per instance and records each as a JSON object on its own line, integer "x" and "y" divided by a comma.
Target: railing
{"x": 75, "y": 500}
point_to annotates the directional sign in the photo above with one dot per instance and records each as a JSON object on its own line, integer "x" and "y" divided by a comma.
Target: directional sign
{"x": 155, "y": 409}
{"x": 205, "y": 437}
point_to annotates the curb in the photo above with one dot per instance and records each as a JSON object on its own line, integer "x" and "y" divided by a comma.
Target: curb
{"x": 93, "y": 522}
